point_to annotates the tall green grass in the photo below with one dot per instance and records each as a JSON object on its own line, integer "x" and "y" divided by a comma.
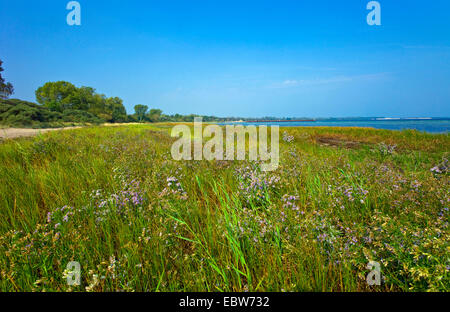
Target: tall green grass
{"x": 113, "y": 199}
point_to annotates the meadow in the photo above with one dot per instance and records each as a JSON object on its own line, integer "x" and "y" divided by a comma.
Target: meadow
{"x": 114, "y": 200}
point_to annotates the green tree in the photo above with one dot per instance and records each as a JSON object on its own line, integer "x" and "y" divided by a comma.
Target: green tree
{"x": 6, "y": 88}
{"x": 154, "y": 115}
{"x": 81, "y": 99}
{"x": 118, "y": 111}
{"x": 61, "y": 96}
{"x": 57, "y": 96}
{"x": 141, "y": 110}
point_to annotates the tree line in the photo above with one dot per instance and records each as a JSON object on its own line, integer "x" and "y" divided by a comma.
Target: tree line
{"x": 61, "y": 96}
{"x": 63, "y": 102}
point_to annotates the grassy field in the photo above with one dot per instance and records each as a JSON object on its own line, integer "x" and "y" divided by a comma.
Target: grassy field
{"x": 113, "y": 199}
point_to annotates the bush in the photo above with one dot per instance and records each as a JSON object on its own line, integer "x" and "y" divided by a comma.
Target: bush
{"x": 18, "y": 113}
{"x": 80, "y": 116}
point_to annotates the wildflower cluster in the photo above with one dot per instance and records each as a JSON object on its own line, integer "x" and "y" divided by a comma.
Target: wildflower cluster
{"x": 254, "y": 225}
{"x": 288, "y": 138}
{"x": 386, "y": 149}
{"x": 342, "y": 194}
{"x": 109, "y": 276}
{"x": 442, "y": 168}
{"x": 254, "y": 185}
{"x": 119, "y": 203}
{"x": 174, "y": 188}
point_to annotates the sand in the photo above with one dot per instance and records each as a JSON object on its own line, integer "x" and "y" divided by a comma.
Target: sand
{"x": 11, "y": 133}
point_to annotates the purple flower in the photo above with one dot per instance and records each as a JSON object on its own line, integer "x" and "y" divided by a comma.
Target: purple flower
{"x": 66, "y": 218}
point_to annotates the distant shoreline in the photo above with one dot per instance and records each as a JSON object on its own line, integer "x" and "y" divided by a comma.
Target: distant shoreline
{"x": 431, "y": 125}
{"x": 278, "y": 120}
{"x": 333, "y": 119}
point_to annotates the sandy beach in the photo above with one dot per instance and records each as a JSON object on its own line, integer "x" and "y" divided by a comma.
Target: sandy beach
{"x": 11, "y": 133}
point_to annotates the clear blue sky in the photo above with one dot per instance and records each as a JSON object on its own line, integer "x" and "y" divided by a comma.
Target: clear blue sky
{"x": 238, "y": 58}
